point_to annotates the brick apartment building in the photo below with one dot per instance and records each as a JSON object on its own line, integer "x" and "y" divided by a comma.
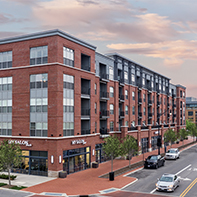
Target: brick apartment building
{"x": 191, "y": 109}
{"x": 59, "y": 99}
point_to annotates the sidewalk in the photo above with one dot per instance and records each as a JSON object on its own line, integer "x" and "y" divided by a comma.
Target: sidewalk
{"x": 88, "y": 181}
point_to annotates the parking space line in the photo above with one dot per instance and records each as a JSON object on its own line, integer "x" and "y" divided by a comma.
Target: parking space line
{"x": 183, "y": 169}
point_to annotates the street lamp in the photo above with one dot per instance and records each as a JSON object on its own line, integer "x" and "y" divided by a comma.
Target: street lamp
{"x": 159, "y": 140}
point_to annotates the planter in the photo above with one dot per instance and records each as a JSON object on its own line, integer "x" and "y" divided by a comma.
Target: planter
{"x": 111, "y": 176}
{"x": 62, "y": 174}
{"x": 95, "y": 165}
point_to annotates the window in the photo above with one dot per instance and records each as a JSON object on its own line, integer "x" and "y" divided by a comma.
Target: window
{"x": 153, "y": 99}
{"x": 126, "y": 94}
{"x": 6, "y": 59}
{"x": 68, "y": 105}
{"x": 85, "y": 62}
{"x": 133, "y": 110}
{"x": 133, "y": 96}
{"x": 133, "y": 78}
{"x": 126, "y": 123}
{"x": 95, "y": 106}
{"x": 111, "y": 109}
{"x": 111, "y": 73}
{"x": 126, "y": 77}
{"x": 6, "y": 106}
{"x": 111, "y": 126}
{"x": 144, "y": 110}
{"x": 95, "y": 88}
{"x": 39, "y": 105}
{"x": 39, "y": 55}
{"x": 111, "y": 89}
{"x": 181, "y": 93}
{"x": 190, "y": 113}
{"x": 126, "y": 110}
{"x": 68, "y": 56}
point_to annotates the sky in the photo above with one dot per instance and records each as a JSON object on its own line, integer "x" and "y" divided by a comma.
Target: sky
{"x": 158, "y": 34}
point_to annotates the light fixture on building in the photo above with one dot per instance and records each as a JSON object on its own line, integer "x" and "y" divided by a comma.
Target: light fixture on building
{"x": 60, "y": 158}
{"x": 93, "y": 152}
{"x": 52, "y": 159}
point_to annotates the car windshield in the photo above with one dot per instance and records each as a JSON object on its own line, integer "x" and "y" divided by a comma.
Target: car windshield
{"x": 171, "y": 151}
{"x": 152, "y": 157}
{"x": 166, "y": 179}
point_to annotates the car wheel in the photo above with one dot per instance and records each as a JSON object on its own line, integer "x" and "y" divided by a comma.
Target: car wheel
{"x": 156, "y": 166}
{"x": 163, "y": 163}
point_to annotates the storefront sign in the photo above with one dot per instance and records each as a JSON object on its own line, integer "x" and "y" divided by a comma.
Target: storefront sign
{"x": 78, "y": 142}
{"x": 20, "y": 142}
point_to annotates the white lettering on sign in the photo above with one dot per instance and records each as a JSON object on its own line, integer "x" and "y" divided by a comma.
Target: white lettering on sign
{"x": 20, "y": 142}
{"x": 78, "y": 142}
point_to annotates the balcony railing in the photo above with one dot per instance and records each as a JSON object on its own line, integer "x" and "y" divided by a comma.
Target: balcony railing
{"x": 140, "y": 114}
{"x": 132, "y": 128}
{"x": 156, "y": 126}
{"x": 144, "y": 127}
{"x": 150, "y": 102}
{"x": 85, "y": 131}
{"x": 85, "y": 90}
{"x": 121, "y": 113}
{"x": 158, "y": 103}
{"x": 85, "y": 112}
{"x": 174, "y": 105}
{"x": 104, "y": 113}
{"x": 121, "y": 80}
{"x": 104, "y": 76}
{"x": 139, "y": 100}
{"x": 104, "y": 131}
{"x": 121, "y": 96}
{"x": 149, "y": 88}
{"x": 104, "y": 94}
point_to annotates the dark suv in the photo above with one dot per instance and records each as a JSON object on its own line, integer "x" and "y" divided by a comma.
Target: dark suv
{"x": 154, "y": 161}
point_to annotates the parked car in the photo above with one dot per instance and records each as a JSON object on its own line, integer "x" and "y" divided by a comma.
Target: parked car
{"x": 154, "y": 161}
{"x": 172, "y": 153}
{"x": 168, "y": 182}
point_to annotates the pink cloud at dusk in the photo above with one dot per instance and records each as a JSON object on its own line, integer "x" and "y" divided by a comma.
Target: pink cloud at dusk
{"x": 173, "y": 52}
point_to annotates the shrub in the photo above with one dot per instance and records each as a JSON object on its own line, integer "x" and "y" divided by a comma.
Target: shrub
{"x": 2, "y": 184}
{"x": 5, "y": 176}
{"x": 18, "y": 188}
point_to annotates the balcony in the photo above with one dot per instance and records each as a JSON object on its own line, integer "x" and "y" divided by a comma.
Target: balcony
{"x": 104, "y": 77}
{"x": 104, "y": 131}
{"x": 149, "y": 102}
{"x": 139, "y": 114}
{"x": 144, "y": 127}
{"x": 121, "y": 97}
{"x": 158, "y": 103}
{"x": 150, "y": 115}
{"x": 85, "y": 131}
{"x": 104, "y": 114}
{"x": 139, "y": 101}
{"x": 121, "y": 115}
{"x": 104, "y": 95}
{"x": 85, "y": 113}
{"x": 156, "y": 126}
{"x": 149, "y": 88}
{"x": 139, "y": 86}
{"x": 173, "y": 95}
{"x": 132, "y": 128}
{"x": 85, "y": 90}
{"x": 174, "y": 105}
{"x": 121, "y": 81}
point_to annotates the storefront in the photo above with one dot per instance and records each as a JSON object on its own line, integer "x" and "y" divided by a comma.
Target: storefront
{"x": 33, "y": 162}
{"x": 76, "y": 159}
{"x": 144, "y": 142}
{"x": 100, "y": 156}
{"x": 154, "y": 142}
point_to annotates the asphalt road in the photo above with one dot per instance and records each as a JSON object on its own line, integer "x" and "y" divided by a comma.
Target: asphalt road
{"x": 185, "y": 167}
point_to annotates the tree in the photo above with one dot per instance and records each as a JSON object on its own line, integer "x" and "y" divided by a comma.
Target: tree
{"x": 183, "y": 134}
{"x": 170, "y": 136}
{"x": 129, "y": 147}
{"x": 191, "y": 127}
{"x": 111, "y": 148}
{"x": 10, "y": 155}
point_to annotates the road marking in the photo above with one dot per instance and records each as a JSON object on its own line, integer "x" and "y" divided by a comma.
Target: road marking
{"x": 183, "y": 169}
{"x": 188, "y": 188}
{"x": 185, "y": 179}
{"x": 153, "y": 191}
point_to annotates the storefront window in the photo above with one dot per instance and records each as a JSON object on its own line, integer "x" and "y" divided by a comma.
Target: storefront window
{"x": 100, "y": 156}
{"x": 76, "y": 159}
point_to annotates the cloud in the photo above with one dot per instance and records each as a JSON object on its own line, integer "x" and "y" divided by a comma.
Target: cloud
{"x": 7, "y": 34}
{"x": 8, "y": 18}
{"x": 118, "y": 18}
{"x": 25, "y": 2}
{"x": 173, "y": 52}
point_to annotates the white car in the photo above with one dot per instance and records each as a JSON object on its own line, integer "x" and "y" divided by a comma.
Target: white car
{"x": 172, "y": 153}
{"x": 168, "y": 182}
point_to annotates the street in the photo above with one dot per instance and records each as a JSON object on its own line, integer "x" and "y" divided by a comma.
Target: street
{"x": 185, "y": 167}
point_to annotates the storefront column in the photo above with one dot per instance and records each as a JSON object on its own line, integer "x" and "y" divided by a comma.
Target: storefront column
{"x": 139, "y": 139}
{"x": 149, "y": 139}
{"x": 124, "y": 131}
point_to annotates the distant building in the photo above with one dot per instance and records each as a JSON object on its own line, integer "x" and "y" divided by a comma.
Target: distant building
{"x": 191, "y": 109}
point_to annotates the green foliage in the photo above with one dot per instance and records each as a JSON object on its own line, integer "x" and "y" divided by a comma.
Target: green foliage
{"x": 170, "y": 136}
{"x": 2, "y": 184}
{"x": 191, "y": 127}
{"x": 18, "y": 188}
{"x": 5, "y": 176}
{"x": 111, "y": 148}
{"x": 10, "y": 155}
{"x": 183, "y": 134}
{"x": 129, "y": 146}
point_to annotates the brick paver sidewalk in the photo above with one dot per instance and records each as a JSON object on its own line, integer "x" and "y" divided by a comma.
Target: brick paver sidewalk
{"x": 88, "y": 181}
